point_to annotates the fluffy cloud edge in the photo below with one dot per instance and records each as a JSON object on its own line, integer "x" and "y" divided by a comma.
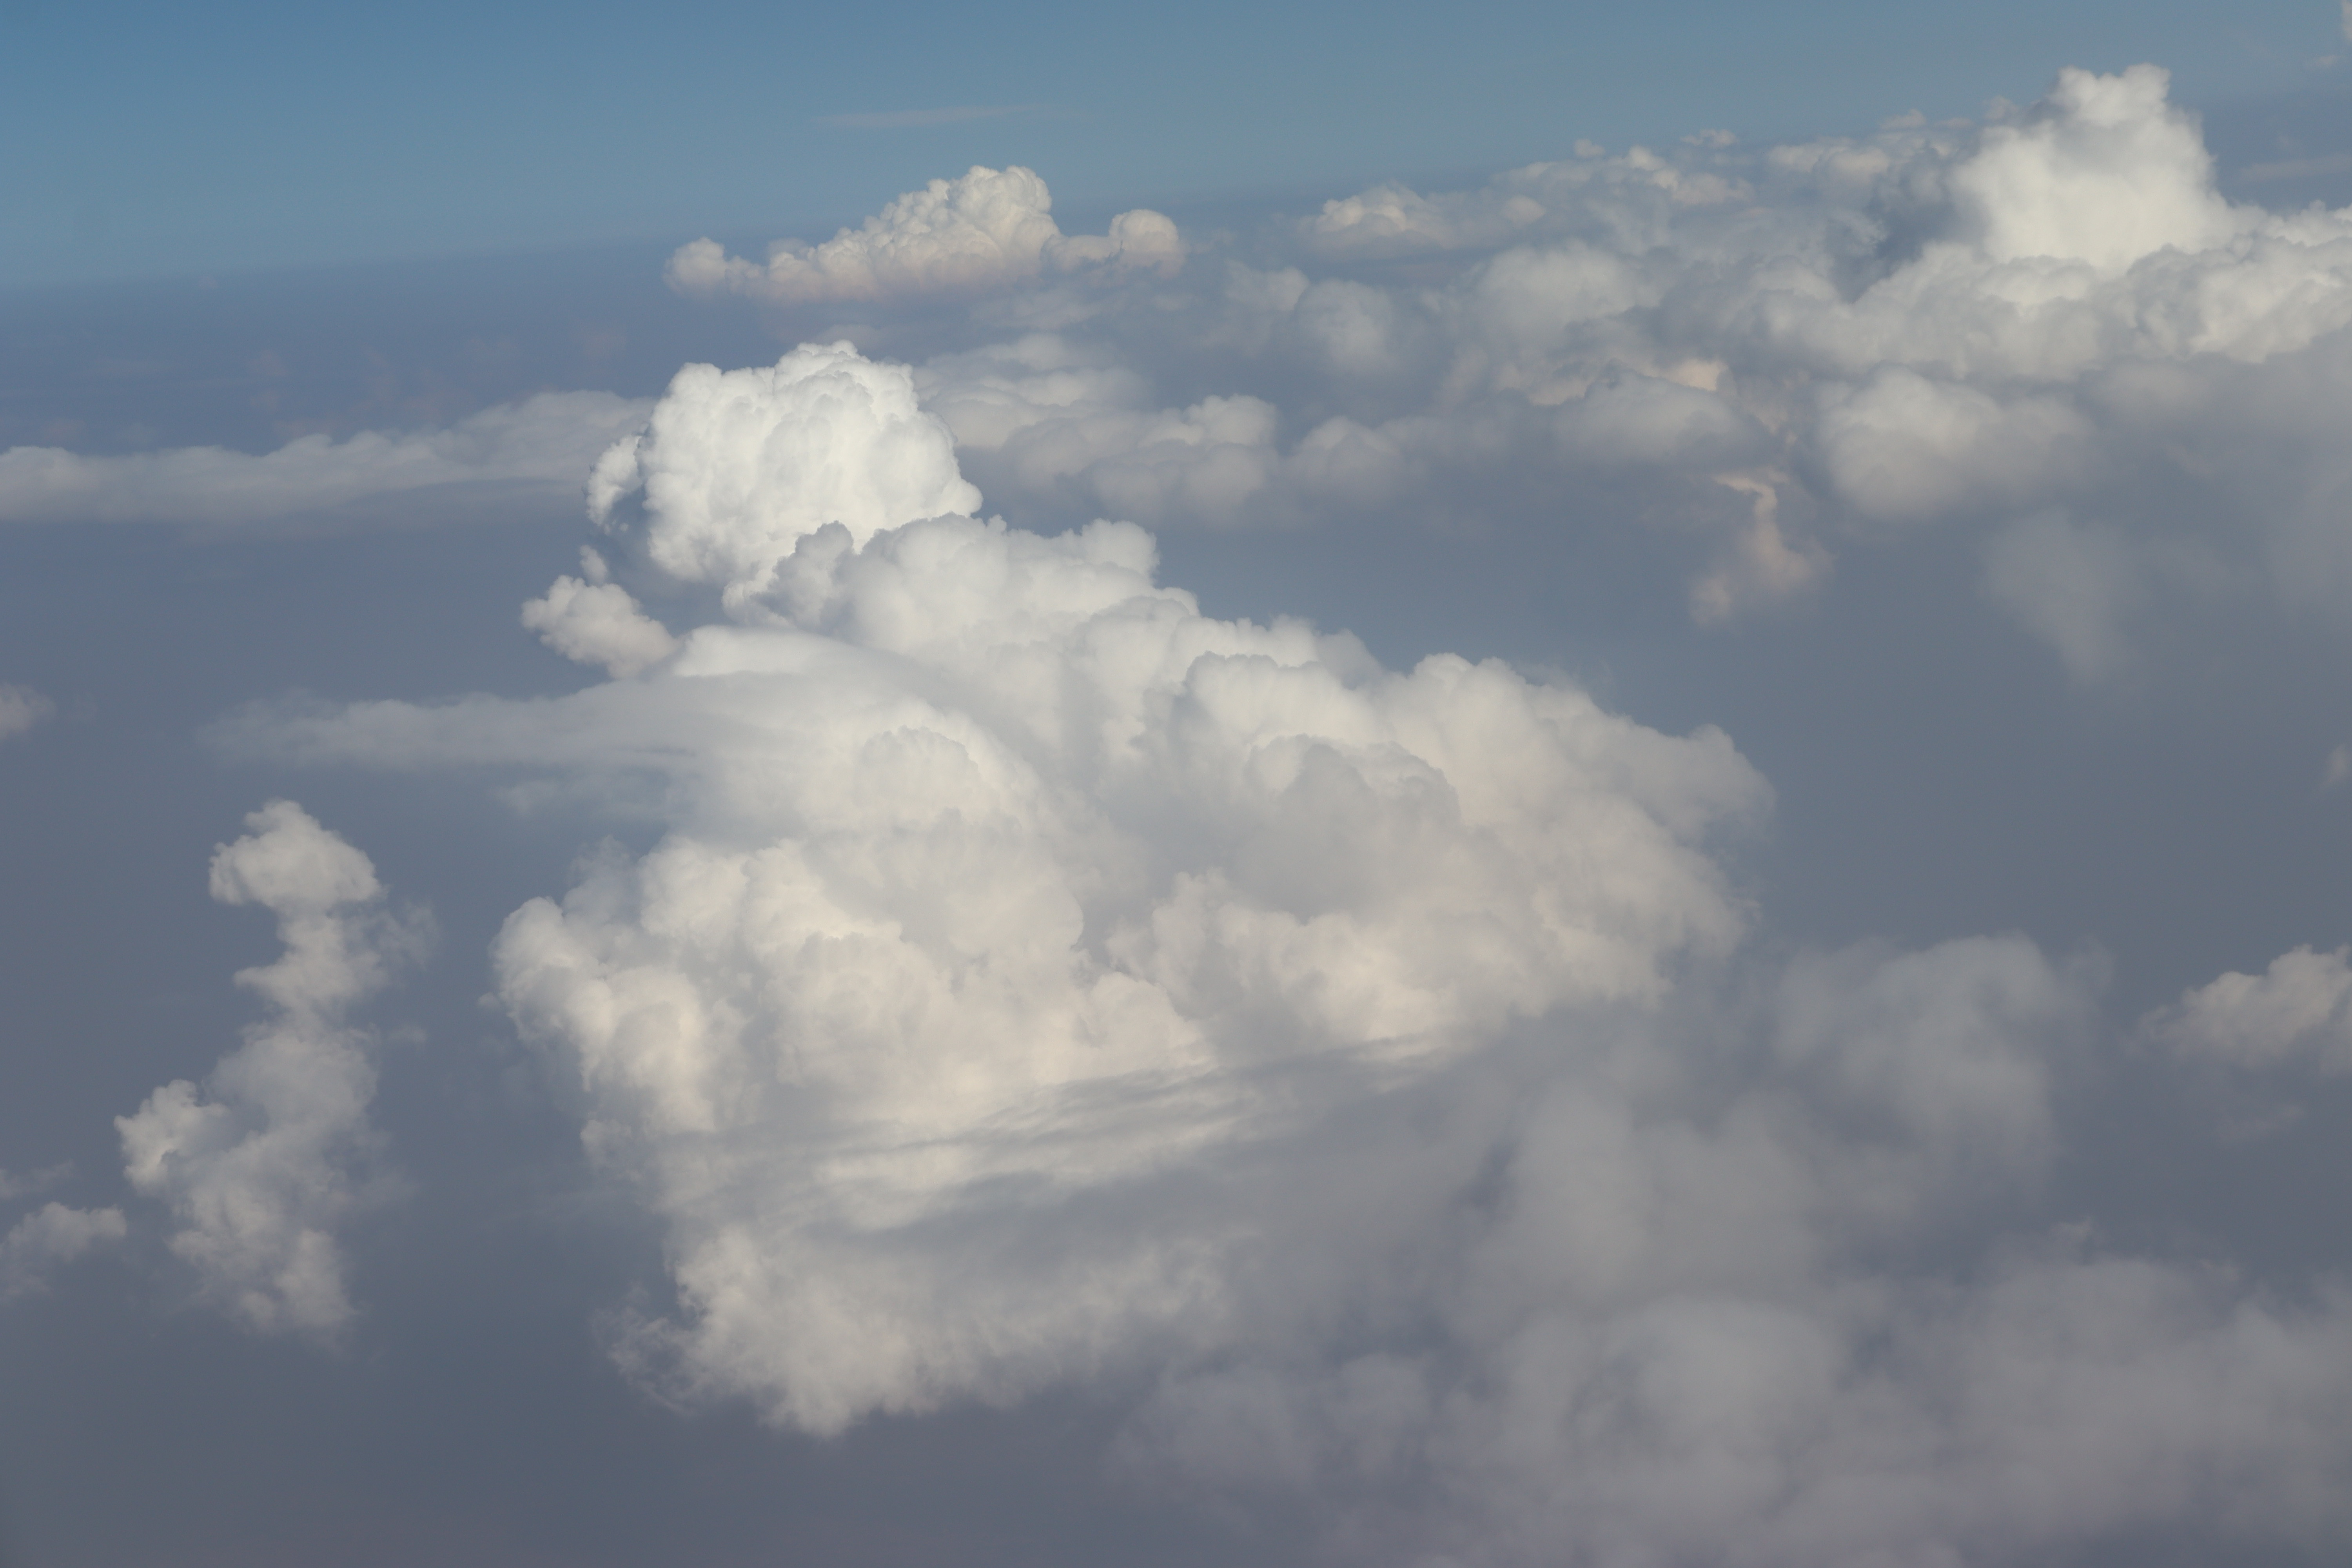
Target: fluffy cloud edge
{"x": 985, "y": 230}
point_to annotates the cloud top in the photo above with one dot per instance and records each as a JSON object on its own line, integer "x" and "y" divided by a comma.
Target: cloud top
{"x": 735, "y": 468}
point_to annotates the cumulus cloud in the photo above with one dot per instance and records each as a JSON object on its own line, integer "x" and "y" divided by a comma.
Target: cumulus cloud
{"x": 2107, "y": 174}
{"x": 2297, "y": 1013}
{"x": 259, "y": 1165}
{"x": 593, "y": 620}
{"x": 1788, "y": 350}
{"x": 1702, "y": 1326}
{"x": 21, "y": 708}
{"x": 736, "y": 468}
{"x": 1003, "y": 888}
{"x": 541, "y": 444}
{"x": 987, "y": 230}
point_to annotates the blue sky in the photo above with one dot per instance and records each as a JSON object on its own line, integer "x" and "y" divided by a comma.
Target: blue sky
{"x": 1284, "y": 788}
{"x": 158, "y": 140}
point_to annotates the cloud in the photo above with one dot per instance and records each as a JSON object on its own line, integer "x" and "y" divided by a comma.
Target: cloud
{"x": 911, "y": 119}
{"x": 2298, "y": 1012}
{"x": 1789, "y": 350}
{"x": 593, "y": 621}
{"x": 21, "y": 708}
{"x": 736, "y": 468}
{"x": 1033, "y": 983}
{"x": 53, "y": 1234}
{"x": 259, "y": 1165}
{"x": 1002, "y": 892}
{"x": 1695, "y": 1326}
{"x": 536, "y": 447}
{"x": 987, "y": 230}
{"x": 1371, "y": 1084}
{"x": 2106, "y": 174}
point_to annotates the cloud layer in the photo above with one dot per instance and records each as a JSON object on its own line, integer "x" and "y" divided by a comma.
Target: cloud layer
{"x": 1037, "y": 983}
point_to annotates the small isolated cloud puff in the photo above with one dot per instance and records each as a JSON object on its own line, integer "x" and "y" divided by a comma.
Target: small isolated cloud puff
{"x": 591, "y": 620}
{"x": 2298, "y": 1012}
{"x": 260, "y": 1167}
{"x": 542, "y": 442}
{"x": 987, "y": 230}
{"x": 21, "y": 708}
{"x": 52, "y": 1234}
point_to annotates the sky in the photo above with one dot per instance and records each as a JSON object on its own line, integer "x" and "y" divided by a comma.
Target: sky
{"x": 1304, "y": 788}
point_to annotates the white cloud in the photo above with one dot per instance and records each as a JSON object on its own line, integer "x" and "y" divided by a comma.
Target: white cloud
{"x": 259, "y": 1166}
{"x": 2296, "y": 1013}
{"x": 987, "y": 230}
{"x": 1035, "y": 980}
{"x": 2106, "y": 174}
{"x": 1930, "y": 325}
{"x": 594, "y": 621}
{"x": 1002, "y": 891}
{"x": 735, "y": 468}
{"x": 21, "y": 708}
{"x": 536, "y": 447}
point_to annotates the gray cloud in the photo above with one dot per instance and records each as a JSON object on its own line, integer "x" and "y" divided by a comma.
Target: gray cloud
{"x": 52, "y": 1234}
{"x": 546, "y": 441}
{"x": 21, "y": 708}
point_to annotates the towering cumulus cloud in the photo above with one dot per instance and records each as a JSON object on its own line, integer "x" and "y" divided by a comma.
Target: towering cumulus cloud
{"x": 259, "y": 1165}
{"x": 1008, "y": 899}
{"x": 987, "y": 230}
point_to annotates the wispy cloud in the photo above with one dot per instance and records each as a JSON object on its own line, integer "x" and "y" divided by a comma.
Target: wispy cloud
{"x": 2296, "y": 168}
{"x": 911, "y": 119}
